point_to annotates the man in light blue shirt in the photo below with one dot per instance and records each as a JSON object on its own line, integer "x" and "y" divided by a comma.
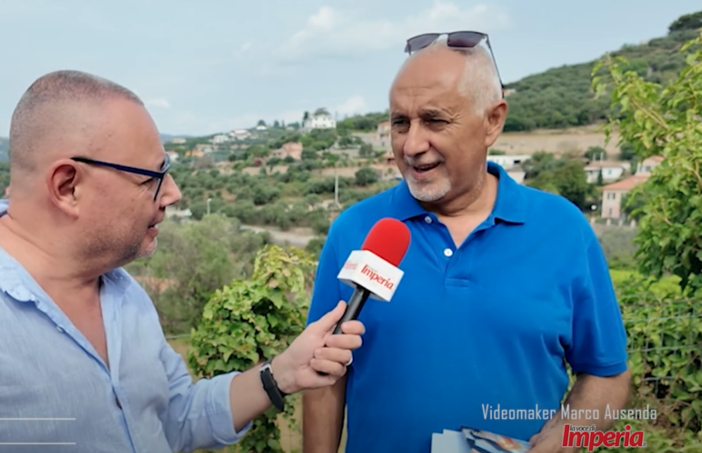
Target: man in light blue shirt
{"x": 84, "y": 365}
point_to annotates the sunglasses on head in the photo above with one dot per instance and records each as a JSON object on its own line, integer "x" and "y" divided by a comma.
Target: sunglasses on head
{"x": 455, "y": 40}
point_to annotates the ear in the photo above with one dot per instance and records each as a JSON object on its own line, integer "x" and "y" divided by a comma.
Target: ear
{"x": 62, "y": 181}
{"x": 495, "y": 122}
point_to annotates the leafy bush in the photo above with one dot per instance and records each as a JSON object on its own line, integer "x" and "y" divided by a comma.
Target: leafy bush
{"x": 250, "y": 321}
{"x": 663, "y": 121}
{"x": 664, "y": 331}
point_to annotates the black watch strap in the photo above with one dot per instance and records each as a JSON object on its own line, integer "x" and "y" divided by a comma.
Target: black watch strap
{"x": 271, "y": 387}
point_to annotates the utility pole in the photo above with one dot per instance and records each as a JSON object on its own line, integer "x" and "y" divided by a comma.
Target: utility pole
{"x": 336, "y": 185}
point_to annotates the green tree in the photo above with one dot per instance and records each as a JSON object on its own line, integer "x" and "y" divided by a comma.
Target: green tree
{"x": 366, "y": 176}
{"x": 687, "y": 22}
{"x": 596, "y": 153}
{"x": 251, "y": 320}
{"x": 192, "y": 261}
{"x": 663, "y": 120}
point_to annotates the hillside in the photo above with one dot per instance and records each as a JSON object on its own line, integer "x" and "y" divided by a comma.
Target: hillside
{"x": 561, "y": 97}
{"x": 4, "y": 144}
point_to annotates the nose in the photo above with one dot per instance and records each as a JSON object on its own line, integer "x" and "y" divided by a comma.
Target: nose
{"x": 416, "y": 140}
{"x": 170, "y": 192}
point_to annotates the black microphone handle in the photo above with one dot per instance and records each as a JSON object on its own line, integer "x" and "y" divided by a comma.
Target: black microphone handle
{"x": 353, "y": 307}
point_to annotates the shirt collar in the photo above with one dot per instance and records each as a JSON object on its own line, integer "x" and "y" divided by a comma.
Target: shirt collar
{"x": 510, "y": 205}
{"x": 17, "y": 282}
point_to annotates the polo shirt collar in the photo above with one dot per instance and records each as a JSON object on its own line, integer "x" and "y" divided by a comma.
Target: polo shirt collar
{"x": 510, "y": 205}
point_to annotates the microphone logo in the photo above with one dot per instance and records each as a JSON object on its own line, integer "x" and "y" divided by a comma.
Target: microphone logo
{"x": 367, "y": 270}
{"x": 374, "y": 277}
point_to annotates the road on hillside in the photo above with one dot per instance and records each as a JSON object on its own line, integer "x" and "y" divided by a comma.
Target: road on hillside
{"x": 282, "y": 237}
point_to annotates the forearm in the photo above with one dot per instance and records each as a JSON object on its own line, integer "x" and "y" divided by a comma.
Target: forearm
{"x": 323, "y": 418}
{"x": 588, "y": 401}
{"x": 247, "y": 397}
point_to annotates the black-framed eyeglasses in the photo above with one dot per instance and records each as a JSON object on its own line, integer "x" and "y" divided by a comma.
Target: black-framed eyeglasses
{"x": 158, "y": 175}
{"x": 457, "y": 40}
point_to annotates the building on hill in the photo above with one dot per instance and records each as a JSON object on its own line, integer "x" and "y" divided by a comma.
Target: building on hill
{"x": 240, "y": 134}
{"x": 320, "y": 120}
{"x": 219, "y": 139}
{"x": 612, "y": 194}
{"x": 611, "y": 171}
{"x": 645, "y": 166}
{"x": 508, "y": 162}
{"x": 383, "y": 132}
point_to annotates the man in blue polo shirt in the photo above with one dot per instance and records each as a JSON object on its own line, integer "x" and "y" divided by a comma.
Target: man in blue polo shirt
{"x": 503, "y": 285}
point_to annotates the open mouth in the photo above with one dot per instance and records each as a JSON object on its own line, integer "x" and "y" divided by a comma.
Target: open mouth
{"x": 425, "y": 167}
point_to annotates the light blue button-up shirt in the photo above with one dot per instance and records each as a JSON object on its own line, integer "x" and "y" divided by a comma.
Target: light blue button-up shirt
{"x": 57, "y": 395}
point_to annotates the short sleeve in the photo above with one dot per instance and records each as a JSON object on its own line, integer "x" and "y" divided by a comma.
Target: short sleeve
{"x": 599, "y": 338}
{"x": 326, "y": 293}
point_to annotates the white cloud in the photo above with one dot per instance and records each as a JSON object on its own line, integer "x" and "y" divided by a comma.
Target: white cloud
{"x": 158, "y": 102}
{"x": 337, "y": 33}
{"x": 352, "y": 106}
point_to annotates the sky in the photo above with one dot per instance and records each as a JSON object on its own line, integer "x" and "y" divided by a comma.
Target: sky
{"x": 211, "y": 66}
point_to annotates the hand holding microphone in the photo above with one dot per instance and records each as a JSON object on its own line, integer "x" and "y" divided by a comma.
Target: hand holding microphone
{"x": 373, "y": 271}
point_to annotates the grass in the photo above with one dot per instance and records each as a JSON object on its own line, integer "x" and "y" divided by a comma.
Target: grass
{"x": 664, "y": 286}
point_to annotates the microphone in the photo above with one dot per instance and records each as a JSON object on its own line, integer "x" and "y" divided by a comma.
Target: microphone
{"x": 373, "y": 271}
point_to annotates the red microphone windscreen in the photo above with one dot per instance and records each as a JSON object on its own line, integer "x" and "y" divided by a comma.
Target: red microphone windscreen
{"x": 388, "y": 239}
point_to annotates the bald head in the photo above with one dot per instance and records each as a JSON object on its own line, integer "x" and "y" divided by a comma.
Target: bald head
{"x": 57, "y": 115}
{"x": 471, "y": 71}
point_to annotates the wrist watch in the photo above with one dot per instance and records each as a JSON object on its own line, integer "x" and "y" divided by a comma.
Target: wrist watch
{"x": 271, "y": 387}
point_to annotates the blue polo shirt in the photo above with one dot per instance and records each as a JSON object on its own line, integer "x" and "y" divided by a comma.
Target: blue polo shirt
{"x": 475, "y": 335}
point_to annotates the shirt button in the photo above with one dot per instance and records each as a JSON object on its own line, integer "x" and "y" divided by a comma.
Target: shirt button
{"x": 427, "y": 219}
{"x": 448, "y": 252}
{"x": 60, "y": 329}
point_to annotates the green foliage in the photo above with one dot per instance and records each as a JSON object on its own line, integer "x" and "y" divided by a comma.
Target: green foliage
{"x": 366, "y": 176}
{"x": 4, "y": 149}
{"x": 619, "y": 248}
{"x": 191, "y": 262}
{"x": 687, "y": 22}
{"x": 596, "y": 153}
{"x": 251, "y": 320}
{"x": 367, "y": 122}
{"x": 664, "y": 330}
{"x": 663, "y": 120}
{"x": 563, "y": 176}
{"x": 4, "y": 177}
{"x": 562, "y": 97}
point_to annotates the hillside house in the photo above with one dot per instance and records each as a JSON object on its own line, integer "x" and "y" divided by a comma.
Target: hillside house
{"x": 240, "y": 134}
{"x": 612, "y": 194}
{"x": 508, "y": 162}
{"x": 611, "y": 171}
{"x": 645, "y": 166}
{"x": 320, "y": 120}
{"x": 219, "y": 138}
{"x": 383, "y": 132}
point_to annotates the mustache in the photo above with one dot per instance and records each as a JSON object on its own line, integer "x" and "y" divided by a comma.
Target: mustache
{"x": 419, "y": 162}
